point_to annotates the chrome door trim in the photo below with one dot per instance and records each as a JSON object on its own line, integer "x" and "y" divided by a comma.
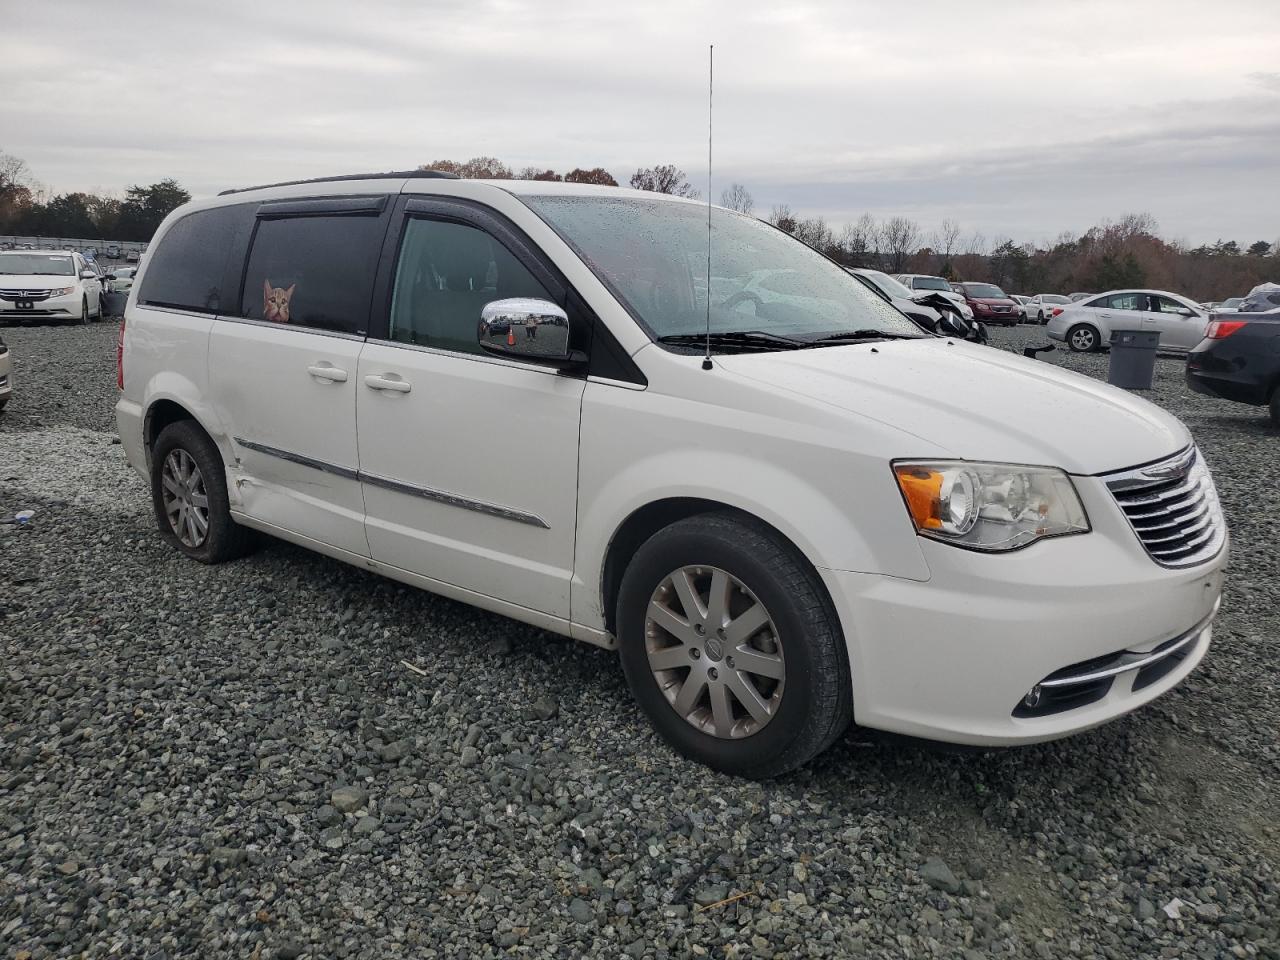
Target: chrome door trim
{"x": 293, "y": 327}
{"x": 345, "y": 472}
{"x": 399, "y": 486}
{"x": 453, "y": 500}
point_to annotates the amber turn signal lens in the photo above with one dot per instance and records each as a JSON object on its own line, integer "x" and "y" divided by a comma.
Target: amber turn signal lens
{"x": 923, "y": 491}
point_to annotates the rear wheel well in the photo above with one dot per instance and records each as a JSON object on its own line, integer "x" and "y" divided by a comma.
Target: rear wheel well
{"x": 160, "y": 415}
{"x": 648, "y": 520}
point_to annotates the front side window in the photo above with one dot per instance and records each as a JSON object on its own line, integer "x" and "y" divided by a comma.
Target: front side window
{"x": 188, "y": 269}
{"x": 446, "y": 273}
{"x": 313, "y": 271}
{"x": 653, "y": 255}
{"x": 1165, "y": 305}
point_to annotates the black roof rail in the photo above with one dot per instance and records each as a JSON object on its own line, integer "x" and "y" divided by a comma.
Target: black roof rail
{"x": 390, "y": 175}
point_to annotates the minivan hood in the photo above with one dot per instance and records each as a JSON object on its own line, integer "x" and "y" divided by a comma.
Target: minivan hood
{"x": 39, "y": 281}
{"x": 975, "y": 402}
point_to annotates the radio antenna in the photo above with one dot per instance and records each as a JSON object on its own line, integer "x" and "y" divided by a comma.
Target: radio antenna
{"x": 711, "y": 73}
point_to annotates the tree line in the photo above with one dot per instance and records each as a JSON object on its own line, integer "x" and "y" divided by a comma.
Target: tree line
{"x": 1128, "y": 252}
{"x": 28, "y": 209}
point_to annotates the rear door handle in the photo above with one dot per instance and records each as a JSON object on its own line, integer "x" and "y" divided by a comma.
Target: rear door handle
{"x": 327, "y": 371}
{"x": 396, "y": 385}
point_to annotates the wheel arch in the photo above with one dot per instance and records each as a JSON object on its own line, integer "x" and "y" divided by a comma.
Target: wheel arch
{"x": 161, "y": 412}
{"x": 643, "y": 522}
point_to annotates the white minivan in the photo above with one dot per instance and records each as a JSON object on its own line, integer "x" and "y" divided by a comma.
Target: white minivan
{"x": 502, "y": 392}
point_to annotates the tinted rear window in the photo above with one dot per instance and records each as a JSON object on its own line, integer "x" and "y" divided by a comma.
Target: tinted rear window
{"x": 188, "y": 267}
{"x": 313, "y": 271}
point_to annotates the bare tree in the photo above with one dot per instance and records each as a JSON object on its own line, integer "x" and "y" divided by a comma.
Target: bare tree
{"x": 736, "y": 197}
{"x": 946, "y": 239}
{"x": 537, "y": 173}
{"x": 976, "y": 245}
{"x": 859, "y": 242}
{"x": 901, "y": 238}
{"x": 13, "y": 173}
{"x": 815, "y": 233}
{"x": 664, "y": 178}
{"x": 782, "y": 218}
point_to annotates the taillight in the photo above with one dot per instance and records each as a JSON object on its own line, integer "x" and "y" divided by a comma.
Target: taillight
{"x": 1221, "y": 329}
{"x": 120, "y": 357}
{"x": 1055, "y": 311}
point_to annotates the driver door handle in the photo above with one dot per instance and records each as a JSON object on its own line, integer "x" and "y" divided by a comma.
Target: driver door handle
{"x": 375, "y": 382}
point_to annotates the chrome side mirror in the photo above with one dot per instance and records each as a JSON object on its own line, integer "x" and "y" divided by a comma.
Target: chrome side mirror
{"x": 526, "y": 328}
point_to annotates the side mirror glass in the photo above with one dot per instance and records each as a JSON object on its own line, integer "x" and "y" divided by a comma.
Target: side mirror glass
{"x": 526, "y": 328}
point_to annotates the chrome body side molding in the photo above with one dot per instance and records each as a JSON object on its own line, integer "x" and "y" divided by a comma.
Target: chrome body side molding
{"x": 399, "y": 486}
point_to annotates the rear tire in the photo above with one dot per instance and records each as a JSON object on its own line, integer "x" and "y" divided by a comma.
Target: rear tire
{"x": 787, "y": 697}
{"x": 189, "y": 496}
{"x": 1083, "y": 338}
{"x": 1275, "y": 406}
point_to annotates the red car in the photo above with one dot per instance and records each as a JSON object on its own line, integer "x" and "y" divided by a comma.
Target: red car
{"x": 989, "y": 303}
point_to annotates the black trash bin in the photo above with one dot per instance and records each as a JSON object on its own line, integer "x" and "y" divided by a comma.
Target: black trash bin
{"x": 113, "y": 303}
{"x": 1133, "y": 358}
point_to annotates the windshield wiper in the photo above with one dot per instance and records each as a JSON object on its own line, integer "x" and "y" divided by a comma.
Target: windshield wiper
{"x": 857, "y": 336}
{"x": 735, "y": 338}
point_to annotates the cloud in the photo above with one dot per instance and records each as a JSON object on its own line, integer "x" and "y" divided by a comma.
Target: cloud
{"x": 1017, "y": 119}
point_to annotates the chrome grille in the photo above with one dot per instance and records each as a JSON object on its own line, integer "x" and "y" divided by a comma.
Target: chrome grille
{"x": 24, "y": 294}
{"x": 1173, "y": 508}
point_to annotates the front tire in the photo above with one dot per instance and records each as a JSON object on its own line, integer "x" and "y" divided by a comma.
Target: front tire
{"x": 731, "y": 646}
{"x": 1275, "y": 406}
{"x": 84, "y": 311}
{"x": 189, "y": 496}
{"x": 1083, "y": 338}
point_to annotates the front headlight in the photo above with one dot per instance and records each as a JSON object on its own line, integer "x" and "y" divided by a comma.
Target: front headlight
{"x": 61, "y": 291}
{"x": 989, "y": 506}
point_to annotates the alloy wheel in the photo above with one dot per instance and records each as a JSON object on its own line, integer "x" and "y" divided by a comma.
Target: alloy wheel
{"x": 1083, "y": 339}
{"x": 714, "y": 652}
{"x": 186, "y": 502}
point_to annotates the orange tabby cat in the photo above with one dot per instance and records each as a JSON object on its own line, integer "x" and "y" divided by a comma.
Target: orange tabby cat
{"x": 275, "y": 302}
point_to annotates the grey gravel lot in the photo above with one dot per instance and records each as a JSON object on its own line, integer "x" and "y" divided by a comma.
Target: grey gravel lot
{"x": 235, "y": 761}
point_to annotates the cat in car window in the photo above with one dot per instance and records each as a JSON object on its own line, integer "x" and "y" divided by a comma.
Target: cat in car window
{"x": 275, "y": 302}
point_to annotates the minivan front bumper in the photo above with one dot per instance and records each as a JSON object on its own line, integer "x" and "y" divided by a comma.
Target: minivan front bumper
{"x": 975, "y": 654}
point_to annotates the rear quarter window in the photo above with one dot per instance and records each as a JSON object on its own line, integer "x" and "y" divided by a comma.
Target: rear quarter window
{"x": 188, "y": 268}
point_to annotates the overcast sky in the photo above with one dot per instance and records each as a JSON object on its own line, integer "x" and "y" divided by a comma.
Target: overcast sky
{"x": 1018, "y": 119}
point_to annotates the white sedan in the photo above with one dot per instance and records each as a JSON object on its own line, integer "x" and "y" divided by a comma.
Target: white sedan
{"x": 1087, "y": 325}
{"x": 1040, "y": 307}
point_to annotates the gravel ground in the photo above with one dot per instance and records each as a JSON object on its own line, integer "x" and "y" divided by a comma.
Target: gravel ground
{"x": 235, "y": 761}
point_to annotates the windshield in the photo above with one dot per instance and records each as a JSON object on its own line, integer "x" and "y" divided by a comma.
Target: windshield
{"x": 985, "y": 291}
{"x": 886, "y": 283}
{"x": 1232, "y": 302}
{"x": 1053, "y": 298}
{"x": 930, "y": 283}
{"x": 653, "y": 255}
{"x": 37, "y": 264}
